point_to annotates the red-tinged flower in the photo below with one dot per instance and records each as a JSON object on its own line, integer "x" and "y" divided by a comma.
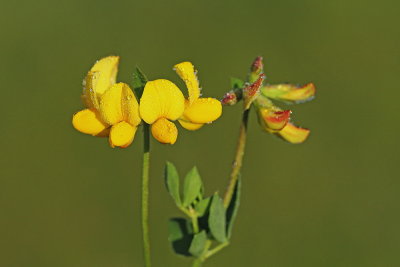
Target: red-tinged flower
{"x": 272, "y": 119}
{"x": 252, "y": 91}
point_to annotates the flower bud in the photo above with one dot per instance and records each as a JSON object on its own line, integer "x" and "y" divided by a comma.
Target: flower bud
{"x": 229, "y": 98}
{"x": 257, "y": 68}
{"x": 251, "y": 91}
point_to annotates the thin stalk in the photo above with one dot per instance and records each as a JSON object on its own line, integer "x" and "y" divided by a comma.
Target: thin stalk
{"x": 237, "y": 164}
{"x": 216, "y": 249}
{"x": 195, "y": 222}
{"x": 145, "y": 195}
{"x": 197, "y": 262}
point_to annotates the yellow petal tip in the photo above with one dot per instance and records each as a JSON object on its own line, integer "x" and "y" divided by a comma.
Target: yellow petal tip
{"x": 164, "y": 131}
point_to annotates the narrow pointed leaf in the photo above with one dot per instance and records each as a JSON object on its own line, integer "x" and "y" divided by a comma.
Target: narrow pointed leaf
{"x": 233, "y": 207}
{"x": 172, "y": 182}
{"x": 198, "y": 244}
{"x": 192, "y": 187}
{"x": 217, "y": 219}
{"x": 139, "y": 81}
{"x": 202, "y": 206}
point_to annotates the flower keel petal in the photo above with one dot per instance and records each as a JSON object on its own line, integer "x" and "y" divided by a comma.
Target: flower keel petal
{"x": 164, "y": 131}
{"x": 122, "y": 134}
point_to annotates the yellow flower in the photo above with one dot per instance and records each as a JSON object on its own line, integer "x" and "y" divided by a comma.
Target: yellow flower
{"x": 112, "y": 109}
{"x": 198, "y": 110}
{"x": 162, "y": 102}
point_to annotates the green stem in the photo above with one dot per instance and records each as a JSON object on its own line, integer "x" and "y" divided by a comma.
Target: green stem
{"x": 145, "y": 195}
{"x": 237, "y": 164}
{"x": 195, "y": 221}
{"x": 197, "y": 262}
{"x": 216, "y": 249}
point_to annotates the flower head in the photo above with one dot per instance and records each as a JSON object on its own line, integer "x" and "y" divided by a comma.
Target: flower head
{"x": 112, "y": 109}
{"x": 162, "y": 103}
{"x": 271, "y": 118}
{"x": 198, "y": 110}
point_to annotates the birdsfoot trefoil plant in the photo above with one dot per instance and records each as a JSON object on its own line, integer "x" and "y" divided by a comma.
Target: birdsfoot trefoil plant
{"x": 114, "y": 110}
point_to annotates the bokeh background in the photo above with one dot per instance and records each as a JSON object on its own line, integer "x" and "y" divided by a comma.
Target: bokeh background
{"x": 69, "y": 200}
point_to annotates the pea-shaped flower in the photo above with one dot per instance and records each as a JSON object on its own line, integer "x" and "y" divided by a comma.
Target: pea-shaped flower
{"x": 112, "y": 109}
{"x": 162, "y": 102}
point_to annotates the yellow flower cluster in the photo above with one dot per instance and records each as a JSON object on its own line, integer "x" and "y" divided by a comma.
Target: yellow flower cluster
{"x": 112, "y": 108}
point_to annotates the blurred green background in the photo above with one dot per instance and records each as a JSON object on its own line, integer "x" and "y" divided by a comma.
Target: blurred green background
{"x": 69, "y": 200}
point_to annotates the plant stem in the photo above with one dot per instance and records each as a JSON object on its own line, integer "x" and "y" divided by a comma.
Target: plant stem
{"x": 145, "y": 194}
{"x": 197, "y": 262}
{"x": 195, "y": 222}
{"x": 216, "y": 249}
{"x": 237, "y": 164}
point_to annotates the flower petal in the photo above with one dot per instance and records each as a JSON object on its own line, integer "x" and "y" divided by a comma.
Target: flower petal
{"x": 294, "y": 134}
{"x": 110, "y": 104}
{"x": 273, "y": 120}
{"x": 122, "y": 134}
{"x": 89, "y": 96}
{"x": 190, "y": 126}
{"x": 88, "y": 121}
{"x": 164, "y": 131}
{"x": 107, "y": 68}
{"x": 290, "y": 93}
{"x": 161, "y": 99}
{"x": 203, "y": 110}
{"x": 186, "y": 71}
{"x": 130, "y": 106}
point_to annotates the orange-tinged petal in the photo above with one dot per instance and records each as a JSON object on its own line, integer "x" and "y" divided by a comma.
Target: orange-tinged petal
{"x": 130, "y": 106}
{"x": 161, "y": 99}
{"x": 273, "y": 120}
{"x": 164, "y": 131}
{"x": 107, "y": 68}
{"x": 290, "y": 93}
{"x": 190, "y": 126}
{"x": 111, "y": 104}
{"x": 122, "y": 134}
{"x": 294, "y": 134}
{"x": 88, "y": 121}
{"x": 186, "y": 71}
{"x": 203, "y": 110}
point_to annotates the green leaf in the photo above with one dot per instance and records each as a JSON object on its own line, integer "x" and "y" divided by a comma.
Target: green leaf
{"x": 172, "y": 182}
{"x": 198, "y": 244}
{"x": 139, "y": 82}
{"x": 233, "y": 207}
{"x": 236, "y": 83}
{"x": 202, "y": 206}
{"x": 180, "y": 235}
{"x": 192, "y": 187}
{"x": 217, "y": 219}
